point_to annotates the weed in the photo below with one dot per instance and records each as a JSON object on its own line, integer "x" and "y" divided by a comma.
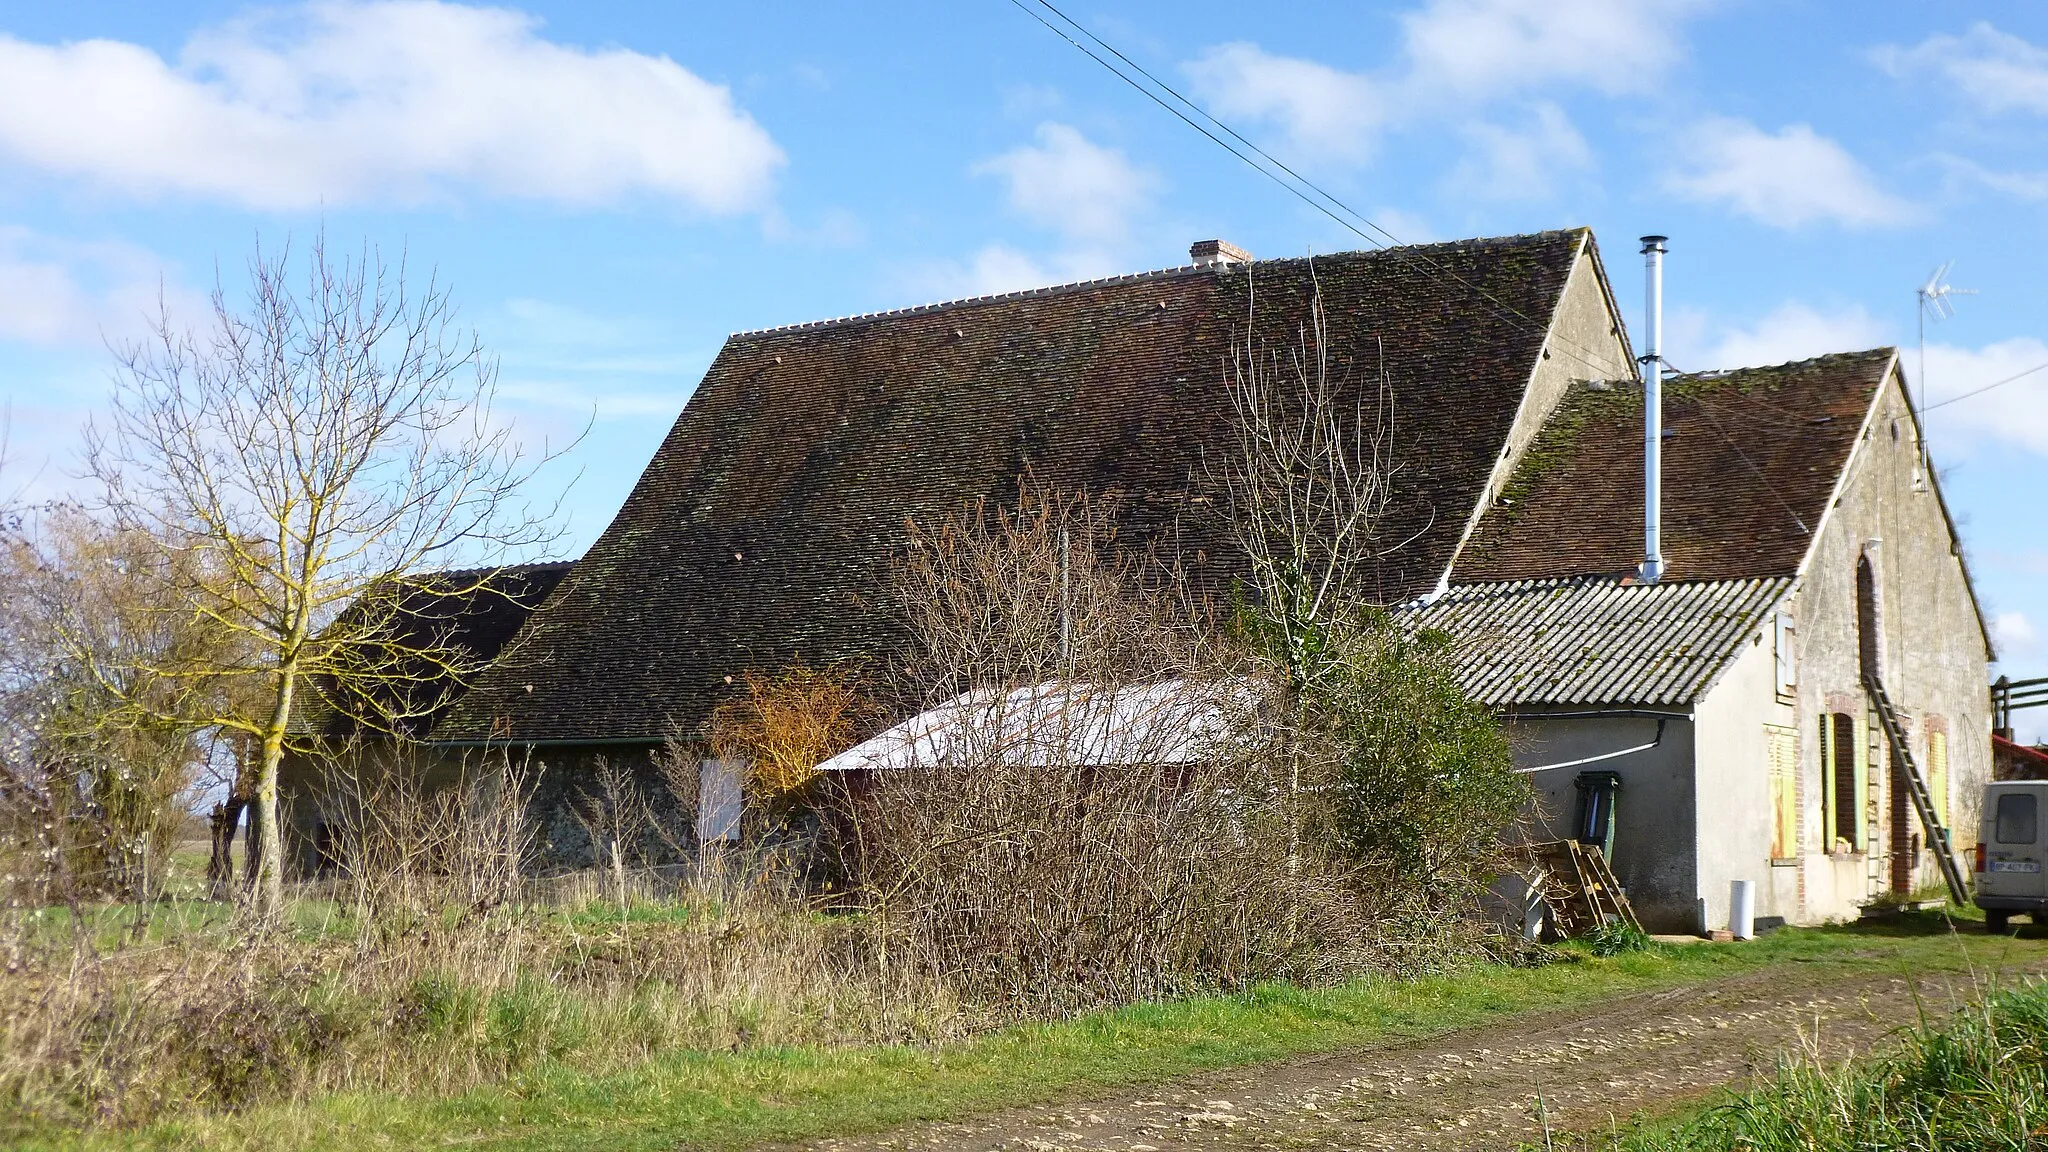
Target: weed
{"x": 1614, "y": 937}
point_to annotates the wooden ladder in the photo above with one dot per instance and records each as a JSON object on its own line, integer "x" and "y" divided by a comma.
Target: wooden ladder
{"x": 1916, "y": 785}
{"x": 1580, "y": 889}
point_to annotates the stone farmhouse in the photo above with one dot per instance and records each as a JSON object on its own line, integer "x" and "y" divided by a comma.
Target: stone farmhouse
{"x": 1718, "y": 723}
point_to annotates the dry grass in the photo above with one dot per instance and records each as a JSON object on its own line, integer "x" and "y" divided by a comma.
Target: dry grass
{"x": 425, "y": 965}
{"x": 1112, "y": 819}
{"x": 221, "y": 1016}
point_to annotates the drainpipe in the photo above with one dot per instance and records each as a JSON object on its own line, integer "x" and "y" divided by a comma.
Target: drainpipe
{"x": 1653, "y": 413}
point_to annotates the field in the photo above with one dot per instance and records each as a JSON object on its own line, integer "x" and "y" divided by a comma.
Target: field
{"x": 751, "y": 1089}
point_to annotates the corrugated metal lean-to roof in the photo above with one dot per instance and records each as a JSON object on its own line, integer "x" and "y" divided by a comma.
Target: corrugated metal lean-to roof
{"x": 1595, "y": 640}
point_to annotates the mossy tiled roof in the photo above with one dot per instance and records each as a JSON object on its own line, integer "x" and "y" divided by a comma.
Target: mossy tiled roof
{"x": 763, "y": 528}
{"x": 1751, "y": 458}
{"x": 439, "y": 627}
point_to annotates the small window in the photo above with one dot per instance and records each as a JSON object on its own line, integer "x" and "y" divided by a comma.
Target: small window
{"x": 1788, "y": 671}
{"x": 720, "y": 796}
{"x": 2017, "y": 822}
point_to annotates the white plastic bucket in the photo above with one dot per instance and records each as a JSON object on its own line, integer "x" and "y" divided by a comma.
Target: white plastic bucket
{"x": 1742, "y": 909}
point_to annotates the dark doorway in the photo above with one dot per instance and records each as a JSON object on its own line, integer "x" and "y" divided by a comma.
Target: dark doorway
{"x": 1905, "y": 843}
{"x": 1868, "y": 627}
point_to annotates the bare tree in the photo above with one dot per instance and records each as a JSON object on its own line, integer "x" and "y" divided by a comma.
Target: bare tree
{"x": 679, "y": 778}
{"x": 1084, "y": 810}
{"x": 101, "y": 769}
{"x": 316, "y": 445}
{"x": 1387, "y": 760}
{"x": 613, "y": 812}
{"x": 1000, "y": 595}
{"x": 1308, "y": 485}
{"x": 404, "y": 850}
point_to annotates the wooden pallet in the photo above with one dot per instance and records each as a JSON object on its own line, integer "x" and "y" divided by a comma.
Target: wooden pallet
{"x": 1578, "y": 887}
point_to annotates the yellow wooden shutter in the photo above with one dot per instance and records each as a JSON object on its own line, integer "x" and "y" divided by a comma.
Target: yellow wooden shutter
{"x": 1784, "y": 775}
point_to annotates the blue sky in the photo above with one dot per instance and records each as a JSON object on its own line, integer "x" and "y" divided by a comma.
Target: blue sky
{"x": 612, "y": 188}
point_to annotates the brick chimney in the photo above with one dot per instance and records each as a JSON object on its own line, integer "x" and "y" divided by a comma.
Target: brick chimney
{"x": 1211, "y": 253}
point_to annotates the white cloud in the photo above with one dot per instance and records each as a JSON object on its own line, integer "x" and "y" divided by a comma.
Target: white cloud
{"x": 1077, "y": 188}
{"x": 1481, "y": 48}
{"x": 1997, "y": 71}
{"x": 2014, "y": 636}
{"x": 1086, "y": 194}
{"x": 560, "y": 359}
{"x": 56, "y": 291}
{"x": 1001, "y": 268}
{"x": 1521, "y": 163}
{"x": 601, "y": 404}
{"x": 1323, "y": 111}
{"x": 410, "y": 101}
{"x": 2018, "y": 185}
{"x": 1786, "y": 180}
{"x": 1456, "y": 56}
{"x": 2014, "y": 413}
{"x": 1792, "y": 331}
{"x": 1030, "y": 101}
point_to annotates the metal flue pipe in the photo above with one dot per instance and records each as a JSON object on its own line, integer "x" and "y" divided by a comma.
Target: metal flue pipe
{"x": 1652, "y": 361}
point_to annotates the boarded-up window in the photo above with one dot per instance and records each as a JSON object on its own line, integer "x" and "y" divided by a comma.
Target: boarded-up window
{"x": 719, "y": 800}
{"x": 1841, "y": 782}
{"x": 1937, "y": 771}
{"x": 1784, "y": 773}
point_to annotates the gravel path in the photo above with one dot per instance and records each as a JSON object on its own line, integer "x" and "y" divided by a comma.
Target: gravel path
{"x": 1590, "y": 1068}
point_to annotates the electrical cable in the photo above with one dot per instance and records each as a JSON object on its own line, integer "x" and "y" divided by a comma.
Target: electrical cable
{"x": 1580, "y": 352}
{"x": 1714, "y": 420}
{"x": 1327, "y": 202}
{"x": 1392, "y": 244}
{"x": 1986, "y": 388}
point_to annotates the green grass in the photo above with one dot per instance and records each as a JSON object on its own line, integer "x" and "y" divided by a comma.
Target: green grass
{"x": 1978, "y": 1080}
{"x": 736, "y": 1099}
{"x": 119, "y": 924}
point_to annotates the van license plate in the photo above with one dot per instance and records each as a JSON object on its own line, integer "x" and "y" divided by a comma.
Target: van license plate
{"x": 2015, "y": 866}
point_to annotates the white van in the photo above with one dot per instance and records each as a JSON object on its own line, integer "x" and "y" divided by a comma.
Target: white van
{"x": 2011, "y": 850}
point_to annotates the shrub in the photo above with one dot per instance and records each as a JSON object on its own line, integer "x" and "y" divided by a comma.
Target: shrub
{"x": 783, "y": 724}
{"x": 1095, "y": 815}
{"x": 1421, "y": 782}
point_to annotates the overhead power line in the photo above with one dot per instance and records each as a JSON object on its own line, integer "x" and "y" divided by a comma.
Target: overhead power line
{"x": 1986, "y": 388}
{"x": 1302, "y": 188}
{"x": 1328, "y": 204}
{"x": 1319, "y": 198}
{"x": 1301, "y": 182}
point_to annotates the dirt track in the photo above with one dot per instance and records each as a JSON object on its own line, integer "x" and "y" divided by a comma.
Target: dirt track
{"x": 1477, "y": 1089}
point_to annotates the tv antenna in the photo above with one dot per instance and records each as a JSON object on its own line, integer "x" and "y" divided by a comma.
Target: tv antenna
{"x": 1935, "y": 301}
